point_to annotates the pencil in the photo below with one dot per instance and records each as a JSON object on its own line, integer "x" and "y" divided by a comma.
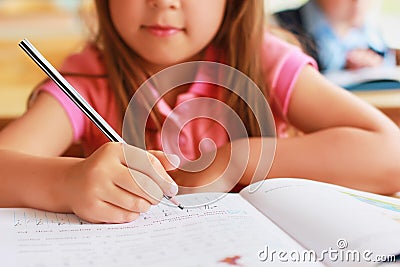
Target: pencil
{"x": 78, "y": 100}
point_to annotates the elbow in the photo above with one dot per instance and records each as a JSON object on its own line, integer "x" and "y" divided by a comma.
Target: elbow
{"x": 389, "y": 167}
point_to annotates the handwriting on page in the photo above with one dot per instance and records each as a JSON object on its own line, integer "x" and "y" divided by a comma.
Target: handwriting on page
{"x": 40, "y": 238}
{"x": 35, "y": 220}
{"x": 26, "y": 219}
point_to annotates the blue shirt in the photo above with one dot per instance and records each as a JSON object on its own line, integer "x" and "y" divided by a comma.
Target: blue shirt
{"x": 331, "y": 49}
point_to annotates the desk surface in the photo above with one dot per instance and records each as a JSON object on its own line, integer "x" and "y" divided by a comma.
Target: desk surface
{"x": 369, "y": 79}
{"x": 383, "y": 99}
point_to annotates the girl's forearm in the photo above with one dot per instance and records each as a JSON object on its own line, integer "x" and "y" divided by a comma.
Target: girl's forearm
{"x": 31, "y": 181}
{"x": 346, "y": 156}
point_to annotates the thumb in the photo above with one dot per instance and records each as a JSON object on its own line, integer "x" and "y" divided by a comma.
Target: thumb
{"x": 169, "y": 161}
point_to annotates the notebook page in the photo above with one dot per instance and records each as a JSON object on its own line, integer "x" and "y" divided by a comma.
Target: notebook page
{"x": 347, "y": 78}
{"x": 323, "y": 217}
{"x": 229, "y": 231}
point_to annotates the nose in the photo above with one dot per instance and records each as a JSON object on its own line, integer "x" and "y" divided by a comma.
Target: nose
{"x": 171, "y": 4}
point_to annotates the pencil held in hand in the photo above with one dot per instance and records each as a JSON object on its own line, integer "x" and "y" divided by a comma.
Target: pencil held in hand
{"x": 142, "y": 164}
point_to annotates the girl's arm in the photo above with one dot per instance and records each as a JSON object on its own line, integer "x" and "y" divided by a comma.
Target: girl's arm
{"x": 346, "y": 142}
{"x": 98, "y": 189}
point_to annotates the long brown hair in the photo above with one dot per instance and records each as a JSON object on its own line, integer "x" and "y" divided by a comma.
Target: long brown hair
{"x": 240, "y": 37}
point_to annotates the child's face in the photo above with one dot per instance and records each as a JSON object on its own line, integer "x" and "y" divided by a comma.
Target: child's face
{"x": 166, "y": 32}
{"x": 350, "y": 12}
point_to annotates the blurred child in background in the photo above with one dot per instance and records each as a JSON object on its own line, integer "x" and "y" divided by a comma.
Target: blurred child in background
{"x": 339, "y": 34}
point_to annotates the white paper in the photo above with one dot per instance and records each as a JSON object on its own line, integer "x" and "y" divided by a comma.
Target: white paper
{"x": 229, "y": 230}
{"x": 318, "y": 215}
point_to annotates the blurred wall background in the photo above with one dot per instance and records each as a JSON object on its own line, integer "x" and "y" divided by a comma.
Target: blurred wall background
{"x": 53, "y": 26}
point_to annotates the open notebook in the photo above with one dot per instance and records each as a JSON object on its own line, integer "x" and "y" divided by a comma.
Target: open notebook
{"x": 283, "y": 221}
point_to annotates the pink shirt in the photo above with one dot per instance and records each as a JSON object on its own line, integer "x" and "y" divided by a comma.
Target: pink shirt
{"x": 282, "y": 63}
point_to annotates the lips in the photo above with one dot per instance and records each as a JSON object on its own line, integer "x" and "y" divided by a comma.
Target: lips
{"x": 162, "y": 31}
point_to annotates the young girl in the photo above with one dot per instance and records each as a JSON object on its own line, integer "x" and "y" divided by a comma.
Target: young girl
{"x": 345, "y": 140}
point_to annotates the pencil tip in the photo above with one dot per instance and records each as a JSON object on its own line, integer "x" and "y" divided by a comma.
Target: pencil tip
{"x": 180, "y": 206}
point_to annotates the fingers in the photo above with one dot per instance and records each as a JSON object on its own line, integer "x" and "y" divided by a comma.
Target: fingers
{"x": 140, "y": 185}
{"x": 104, "y": 212}
{"x": 127, "y": 201}
{"x": 116, "y": 185}
{"x": 127, "y": 197}
{"x": 360, "y": 58}
{"x": 149, "y": 164}
{"x": 119, "y": 199}
{"x": 168, "y": 161}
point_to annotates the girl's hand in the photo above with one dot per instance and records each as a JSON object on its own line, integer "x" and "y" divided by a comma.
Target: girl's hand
{"x": 362, "y": 58}
{"x": 103, "y": 189}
